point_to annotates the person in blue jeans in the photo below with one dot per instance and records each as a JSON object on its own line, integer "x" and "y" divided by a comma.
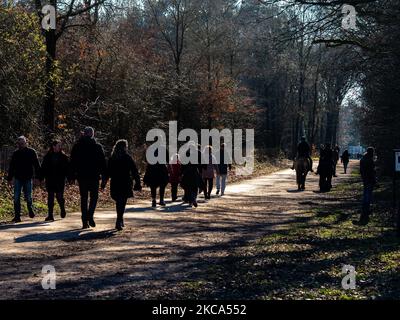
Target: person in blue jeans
{"x": 368, "y": 174}
{"x": 224, "y": 166}
{"x": 24, "y": 166}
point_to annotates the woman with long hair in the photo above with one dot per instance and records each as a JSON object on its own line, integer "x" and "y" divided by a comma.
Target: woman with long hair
{"x": 55, "y": 171}
{"x": 122, "y": 170}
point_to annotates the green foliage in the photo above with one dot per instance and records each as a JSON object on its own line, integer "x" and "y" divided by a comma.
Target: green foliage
{"x": 22, "y": 57}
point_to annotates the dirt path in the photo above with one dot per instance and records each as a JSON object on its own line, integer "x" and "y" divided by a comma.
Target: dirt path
{"x": 158, "y": 251}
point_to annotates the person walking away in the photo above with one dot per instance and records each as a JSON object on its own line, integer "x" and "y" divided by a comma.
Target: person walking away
{"x": 368, "y": 174}
{"x": 345, "y": 160}
{"x": 336, "y": 158}
{"x": 122, "y": 171}
{"x": 88, "y": 164}
{"x": 325, "y": 168}
{"x": 304, "y": 151}
{"x": 223, "y": 167}
{"x": 208, "y": 171}
{"x": 24, "y": 167}
{"x": 156, "y": 177}
{"x": 55, "y": 171}
{"x": 191, "y": 177}
{"x": 175, "y": 176}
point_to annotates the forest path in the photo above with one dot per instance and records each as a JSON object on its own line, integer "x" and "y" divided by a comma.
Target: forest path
{"x": 157, "y": 251}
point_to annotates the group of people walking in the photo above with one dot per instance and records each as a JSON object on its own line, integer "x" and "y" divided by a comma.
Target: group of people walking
{"x": 194, "y": 178}
{"x": 327, "y": 169}
{"x": 88, "y": 165}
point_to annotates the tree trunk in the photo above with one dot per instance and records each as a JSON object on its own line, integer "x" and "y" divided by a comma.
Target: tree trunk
{"x": 49, "y": 101}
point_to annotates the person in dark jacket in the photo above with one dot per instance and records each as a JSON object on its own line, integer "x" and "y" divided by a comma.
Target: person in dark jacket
{"x": 24, "y": 166}
{"x": 156, "y": 177}
{"x": 88, "y": 163}
{"x": 55, "y": 171}
{"x": 368, "y": 174}
{"x": 122, "y": 171}
{"x": 345, "y": 160}
{"x": 223, "y": 167}
{"x": 209, "y": 169}
{"x": 336, "y": 158}
{"x": 175, "y": 176}
{"x": 325, "y": 168}
{"x": 304, "y": 151}
{"x": 192, "y": 182}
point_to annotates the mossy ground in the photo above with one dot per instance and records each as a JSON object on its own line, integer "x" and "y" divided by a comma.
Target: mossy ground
{"x": 305, "y": 260}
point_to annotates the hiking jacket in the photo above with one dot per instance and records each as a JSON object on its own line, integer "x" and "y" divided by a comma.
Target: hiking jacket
{"x": 24, "y": 165}
{"x": 88, "y": 161}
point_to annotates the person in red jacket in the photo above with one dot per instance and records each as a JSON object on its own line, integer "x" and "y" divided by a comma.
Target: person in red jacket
{"x": 175, "y": 176}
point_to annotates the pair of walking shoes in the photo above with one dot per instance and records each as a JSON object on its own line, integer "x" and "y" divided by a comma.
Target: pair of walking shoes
{"x": 194, "y": 204}
{"x": 50, "y": 217}
{"x": 120, "y": 225}
{"x": 88, "y": 224}
{"x": 154, "y": 204}
{"x": 17, "y": 219}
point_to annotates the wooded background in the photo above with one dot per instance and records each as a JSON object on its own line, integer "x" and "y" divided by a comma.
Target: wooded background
{"x": 285, "y": 68}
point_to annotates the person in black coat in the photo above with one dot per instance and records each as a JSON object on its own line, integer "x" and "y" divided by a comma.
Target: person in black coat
{"x": 336, "y": 158}
{"x": 157, "y": 177}
{"x": 24, "y": 166}
{"x": 55, "y": 171}
{"x": 88, "y": 163}
{"x": 122, "y": 171}
{"x": 346, "y": 160}
{"x": 192, "y": 180}
{"x": 326, "y": 168}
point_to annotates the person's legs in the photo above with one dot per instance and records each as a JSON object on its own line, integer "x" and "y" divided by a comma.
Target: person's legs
{"x": 84, "y": 193}
{"x": 206, "y": 185}
{"x": 223, "y": 183}
{"x": 94, "y": 197}
{"x": 28, "y": 189}
{"x": 17, "y": 200}
{"x": 218, "y": 184}
{"x": 162, "y": 195}
{"x": 154, "y": 196}
{"x": 61, "y": 203}
{"x": 194, "y": 198}
{"x": 174, "y": 191}
{"x": 311, "y": 164}
{"x": 367, "y": 199}
{"x": 210, "y": 187}
{"x": 329, "y": 182}
{"x": 121, "y": 205}
{"x": 50, "y": 206}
